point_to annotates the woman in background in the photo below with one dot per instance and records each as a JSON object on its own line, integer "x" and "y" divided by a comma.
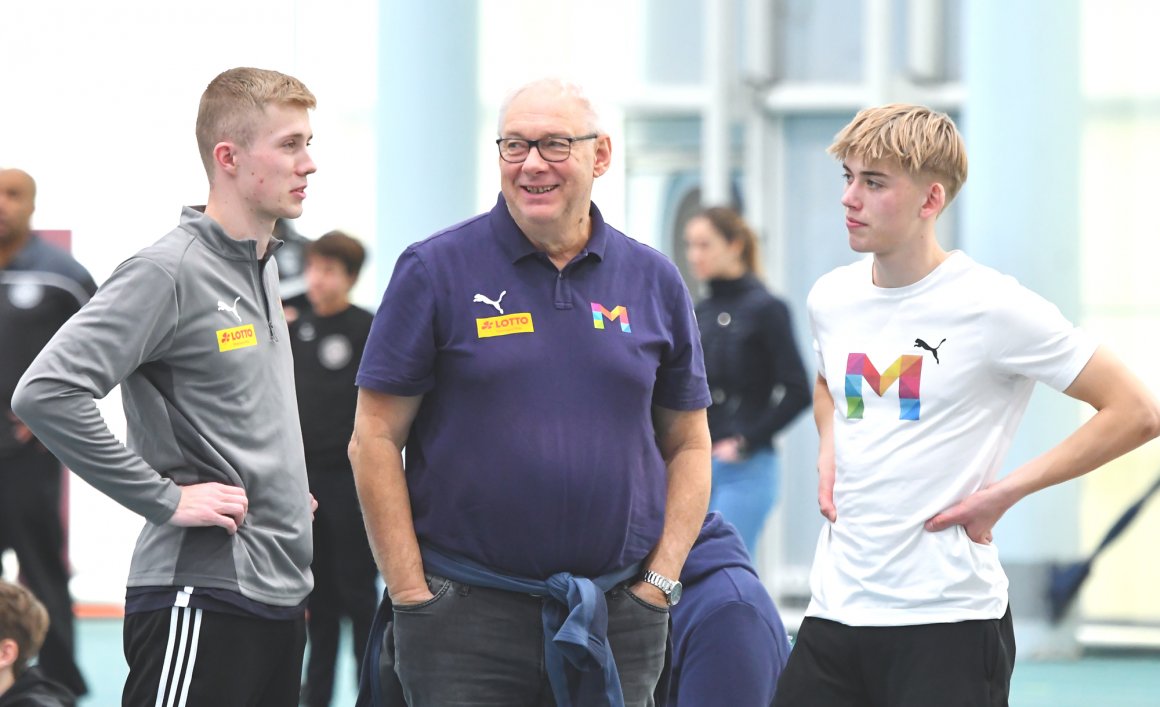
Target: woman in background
{"x": 755, "y": 371}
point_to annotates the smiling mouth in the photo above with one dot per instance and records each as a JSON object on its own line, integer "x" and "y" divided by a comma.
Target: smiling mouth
{"x": 539, "y": 190}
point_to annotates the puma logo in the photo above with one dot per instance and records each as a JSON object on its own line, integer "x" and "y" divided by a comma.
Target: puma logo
{"x": 920, "y": 344}
{"x": 494, "y": 303}
{"x": 223, "y": 307}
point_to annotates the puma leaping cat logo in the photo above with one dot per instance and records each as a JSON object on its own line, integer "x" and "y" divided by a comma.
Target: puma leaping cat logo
{"x": 223, "y": 307}
{"x": 920, "y": 344}
{"x": 494, "y": 303}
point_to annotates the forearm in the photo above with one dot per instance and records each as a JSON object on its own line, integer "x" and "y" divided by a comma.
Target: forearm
{"x": 1110, "y": 433}
{"x": 688, "y": 465}
{"x": 827, "y": 466}
{"x": 824, "y": 421}
{"x": 386, "y": 508}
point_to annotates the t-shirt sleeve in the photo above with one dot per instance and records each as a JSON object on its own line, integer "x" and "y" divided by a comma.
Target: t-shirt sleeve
{"x": 1030, "y": 337}
{"x": 731, "y": 658}
{"x": 399, "y": 358}
{"x": 681, "y": 381}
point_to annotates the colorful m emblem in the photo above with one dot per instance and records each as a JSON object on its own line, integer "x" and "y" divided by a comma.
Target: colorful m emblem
{"x": 599, "y": 314}
{"x": 907, "y": 370}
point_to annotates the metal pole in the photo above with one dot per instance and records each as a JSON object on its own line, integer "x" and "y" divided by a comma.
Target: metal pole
{"x": 719, "y": 74}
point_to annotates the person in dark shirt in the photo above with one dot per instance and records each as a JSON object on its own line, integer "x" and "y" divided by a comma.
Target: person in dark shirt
{"x": 729, "y": 643}
{"x": 328, "y": 338}
{"x": 755, "y": 372}
{"x": 41, "y": 286}
{"x": 23, "y": 625}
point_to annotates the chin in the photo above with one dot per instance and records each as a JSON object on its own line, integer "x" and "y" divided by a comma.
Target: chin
{"x": 859, "y": 246}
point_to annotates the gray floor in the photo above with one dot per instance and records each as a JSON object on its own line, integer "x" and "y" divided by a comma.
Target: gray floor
{"x": 1104, "y": 681}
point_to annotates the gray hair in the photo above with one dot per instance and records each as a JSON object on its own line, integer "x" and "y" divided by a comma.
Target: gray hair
{"x": 565, "y": 87}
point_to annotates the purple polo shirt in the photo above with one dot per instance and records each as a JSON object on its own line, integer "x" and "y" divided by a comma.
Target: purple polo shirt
{"x": 533, "y": 451}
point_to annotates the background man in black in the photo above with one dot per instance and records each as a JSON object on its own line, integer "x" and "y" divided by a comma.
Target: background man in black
{"x": 41, "y": 286}
{"x": 328, "y": 338}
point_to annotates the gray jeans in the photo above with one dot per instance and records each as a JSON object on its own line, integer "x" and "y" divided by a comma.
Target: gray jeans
{"x": 479, "y": 647}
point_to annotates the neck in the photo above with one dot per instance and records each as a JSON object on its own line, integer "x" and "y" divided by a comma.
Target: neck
{"x": 332, "y": 307}
{"x": 9, "y": 248}
{"x": 736, "y": 271}
{"x": 240, "y": 223}
{"x": 7, "y": 679}
{"x": 560, "y": 244}
{"x": 902, "y": 268}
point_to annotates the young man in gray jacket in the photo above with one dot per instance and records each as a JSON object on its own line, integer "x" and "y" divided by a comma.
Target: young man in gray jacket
{"x": 192, "y": 329}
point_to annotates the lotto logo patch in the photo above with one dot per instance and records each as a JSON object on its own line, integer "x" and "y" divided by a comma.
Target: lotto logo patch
{"x": 519, "y": 323}
{"x": 237, "y": 338}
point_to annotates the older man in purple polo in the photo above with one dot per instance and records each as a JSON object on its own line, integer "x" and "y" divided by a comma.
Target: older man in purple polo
{"x": 545, "y": 374}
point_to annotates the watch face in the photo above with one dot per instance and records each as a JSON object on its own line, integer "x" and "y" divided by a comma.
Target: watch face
{"x": 675, "y": 594}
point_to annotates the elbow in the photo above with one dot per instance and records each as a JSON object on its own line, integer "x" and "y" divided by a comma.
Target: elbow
{"x": 352, "y": 450}
{"x": 1149, "y": 421}
{"x": 24, "y": 400}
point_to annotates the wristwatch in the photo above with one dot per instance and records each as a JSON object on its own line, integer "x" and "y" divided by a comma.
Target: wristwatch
{"x": 670, "y": 587}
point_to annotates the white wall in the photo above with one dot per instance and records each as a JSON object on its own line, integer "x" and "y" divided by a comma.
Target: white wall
{"x": 98, "y": 103}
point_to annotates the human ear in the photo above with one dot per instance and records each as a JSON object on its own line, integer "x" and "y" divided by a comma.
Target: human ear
{"x": 603, "y": 155}
{"x": 225, "y": 156}
{"x": 9, "y": 652}
{"x": 934, "y": 201}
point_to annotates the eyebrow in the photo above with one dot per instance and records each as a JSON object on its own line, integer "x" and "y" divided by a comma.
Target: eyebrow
{"x": 866, "y": 172}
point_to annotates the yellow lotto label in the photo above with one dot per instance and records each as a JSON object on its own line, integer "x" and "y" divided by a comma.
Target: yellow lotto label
{"x": 507, "y": 324}
{"x": 237, "y": 338}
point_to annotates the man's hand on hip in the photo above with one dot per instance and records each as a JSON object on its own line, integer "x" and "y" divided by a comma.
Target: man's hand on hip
{"x": 210, "y": 504}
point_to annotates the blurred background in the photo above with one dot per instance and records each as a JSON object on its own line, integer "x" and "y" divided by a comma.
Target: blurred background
{"x": 708, "y": 102}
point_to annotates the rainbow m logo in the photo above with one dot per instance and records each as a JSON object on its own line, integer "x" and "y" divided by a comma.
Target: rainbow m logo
{"x": 599, "y": 314}
{"x": 907, "y": 370}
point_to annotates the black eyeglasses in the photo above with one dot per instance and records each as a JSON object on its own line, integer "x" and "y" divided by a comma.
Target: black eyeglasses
{"x": 551, "y": 149}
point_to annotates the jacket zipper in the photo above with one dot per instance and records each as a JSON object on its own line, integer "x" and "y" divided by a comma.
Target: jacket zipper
{"x": 259, "y": 265}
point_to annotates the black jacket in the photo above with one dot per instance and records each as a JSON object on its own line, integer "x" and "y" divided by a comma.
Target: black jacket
{"x": 33, "y": 689}
{"x": 755, "y": 372}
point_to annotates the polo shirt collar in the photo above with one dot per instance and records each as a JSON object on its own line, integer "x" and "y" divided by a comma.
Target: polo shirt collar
{"x": 516, "y": 245}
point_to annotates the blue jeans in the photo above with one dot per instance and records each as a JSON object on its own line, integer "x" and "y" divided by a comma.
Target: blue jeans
{"x": 744, "y": 492}
{"x": 484, "y": 647}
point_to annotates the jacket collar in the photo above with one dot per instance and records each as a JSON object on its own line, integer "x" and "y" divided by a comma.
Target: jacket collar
{"x": 215, "y": 238}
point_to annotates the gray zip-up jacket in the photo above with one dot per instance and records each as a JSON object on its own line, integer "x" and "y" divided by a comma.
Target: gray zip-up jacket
{"x": 192, "y": 329}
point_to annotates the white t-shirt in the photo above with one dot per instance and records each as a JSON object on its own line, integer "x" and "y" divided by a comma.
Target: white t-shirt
{"x": 916, "y": 431}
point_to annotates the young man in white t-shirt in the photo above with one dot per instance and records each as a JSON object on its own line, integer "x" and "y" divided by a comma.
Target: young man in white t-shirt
{"x": 926, "y": 361}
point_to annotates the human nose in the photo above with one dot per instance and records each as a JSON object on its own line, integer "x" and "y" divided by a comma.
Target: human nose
{"x": 850, "y": 196}
{"x": 307, "y": 166}
{"x": 534, "y": 161}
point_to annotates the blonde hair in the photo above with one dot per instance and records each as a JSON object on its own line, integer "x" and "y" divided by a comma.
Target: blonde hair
{"x": 235, "y": 98}
{"x": 22, "y": 619}
{"x": 565, "y": 88}
{"x": 922, "y": 141}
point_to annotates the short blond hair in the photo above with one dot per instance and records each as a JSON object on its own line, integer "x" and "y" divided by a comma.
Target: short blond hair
{"x": 235, "y": 98}
{"x": 22, "y": 619}
{"x": 921, "y": 140}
